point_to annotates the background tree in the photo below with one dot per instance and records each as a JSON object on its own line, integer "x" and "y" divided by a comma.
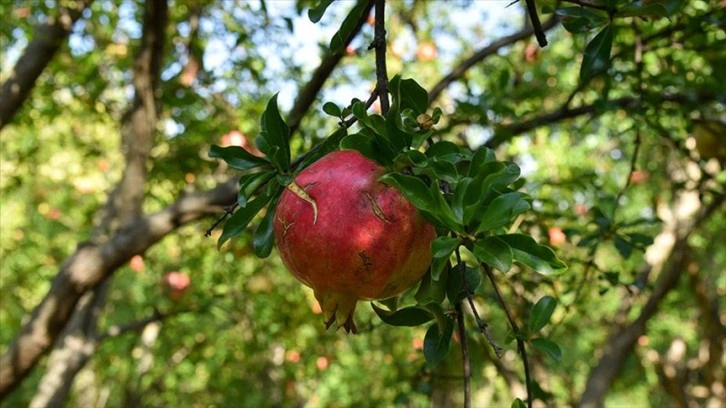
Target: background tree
{"x": 108, "y": 111}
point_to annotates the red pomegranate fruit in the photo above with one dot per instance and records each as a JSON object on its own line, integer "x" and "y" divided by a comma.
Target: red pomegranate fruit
{"x": 350, "y": 237}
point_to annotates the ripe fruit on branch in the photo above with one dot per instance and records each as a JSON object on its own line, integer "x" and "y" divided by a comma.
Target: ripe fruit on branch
{"x": 350, "y": 237}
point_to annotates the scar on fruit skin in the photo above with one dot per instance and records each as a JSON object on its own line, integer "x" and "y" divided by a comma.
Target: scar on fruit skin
{"x": 300, "y": 192}
{"x": 376, "y": 209}
{"x": 367, "y": 266}
{"x": 285, "y": 226}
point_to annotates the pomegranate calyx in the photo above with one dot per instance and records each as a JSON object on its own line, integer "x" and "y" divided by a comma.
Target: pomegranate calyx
{"x": 338, "y": 308}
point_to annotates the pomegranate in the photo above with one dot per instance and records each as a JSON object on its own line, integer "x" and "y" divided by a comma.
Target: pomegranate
{"x": 350, "y": 237}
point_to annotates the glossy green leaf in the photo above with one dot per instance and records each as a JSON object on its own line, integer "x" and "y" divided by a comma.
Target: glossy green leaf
{"x": 548, "y": 348}
{"x": 597, "y": 54}
{"x": 443, "y": 247}
{"x": 430, "y": 290}
{"x": 250, "y": 183}
{"x": 316, "y": 13}
{"x": 275, "y": 134}
{"x": 366, "y": 145}
{"x": 348, "y": 25}
{"x": 427, "y": 199}
{"x": 641, "y": 9}
{"x": 406, "y": 317}
{"x": 456, "y": 287}
{"x": 332, "y": 109}
{"x": 238, "y": 222}
{"x": 443, "y": 149}
{"x": 413, "y": 96}
{"x": 263, "y": 240}
{"x": 494, "y": 252}
{"x": 502, "y": 210}
{"x": 237, "y": 157}
{"x": 538, "y": 257}
{"x": 518, "y": 403}
{"x": 581, "y": 19}
{"x": 457, "y": 203}
{"x": 437, "y": 341}
{"x": 328, "y": 145}
{"x": 442, "y": 170}
{"x": 438, "y": 266}
{"x": 541, "y": 313}
{"x": 625, "y": 248}
{"x": 481, "y": 156}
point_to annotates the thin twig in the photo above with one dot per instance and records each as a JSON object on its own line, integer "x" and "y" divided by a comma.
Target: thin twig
{"x": 227, "y": 211}
{"x": 483, "y": 326}
{"x": 379, "y": 43}
{"x": 464, "y": 355}
{"x": 515, "y": 329}
{"x": 536, "y": 24}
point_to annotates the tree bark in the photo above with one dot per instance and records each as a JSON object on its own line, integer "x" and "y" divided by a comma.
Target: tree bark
{"x": 47, "y": 40}
{"x": 91, "y": 263}
{"x": 78, "y": 340}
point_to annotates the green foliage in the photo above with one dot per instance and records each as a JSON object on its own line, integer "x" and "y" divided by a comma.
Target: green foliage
{"x": 495, "y": 188}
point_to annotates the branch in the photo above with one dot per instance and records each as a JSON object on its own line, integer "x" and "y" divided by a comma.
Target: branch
{"x": 77, "y": 340}
{"x": 515, "y": 329}
{"x": 47, "y": 40}
{"x": 564, "y": 112}
{"x": 536, "y": 24}
{"x": 464, "y": 355}
{"x": 307, "y": 95}
{"x": 379, "y": 43}
{"x": 491, "y": 49}
{"x": 89, "y": 266}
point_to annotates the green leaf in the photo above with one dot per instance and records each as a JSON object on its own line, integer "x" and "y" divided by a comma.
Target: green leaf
{"x": 250, "y": 183}
{"x": 548, "y": 348}
{"x": 427, "y": 199}
{"x": 481, "y": 156}
{"x": 366, "y": 145}
{"x": 437, "y": 341}
{"x": 438, "y": 266}
{"x": 581, "y": 19}
{"x": 518, "y": 403}
{"x": 406, "y": 317}
{"x": 237, "y": 223}
{"x": 328, "y": 145}
{"x": 443, "y": 170}
{"x": 624, "y": 247}
{"x": 502, "y": 210}
{"x": 455, "y": 289}
{"x": 457, "y": 204}
{"x": 430, "y": 290}
{"x": 541, "y": 313}
{"x": 538, "y": 257}
{"x": 494, "y": 252}
{"x": 597, "y": 54}
{"x": 640, "y": 9}
{"x": 413, "y": 96}
{"x": 443, "y": 247}
{"x": 444, "y": 149}
{"x": 347, "y": 27}
{"x": 332, "y": 109}
{"x": 316, "y": 13}
{"x": 237, "y": 157}
{"x": 264, "y": 239}
{"x": 275, "y": 133}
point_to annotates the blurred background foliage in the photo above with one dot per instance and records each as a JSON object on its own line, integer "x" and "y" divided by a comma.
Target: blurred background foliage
{"x": 245, "y": 332}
